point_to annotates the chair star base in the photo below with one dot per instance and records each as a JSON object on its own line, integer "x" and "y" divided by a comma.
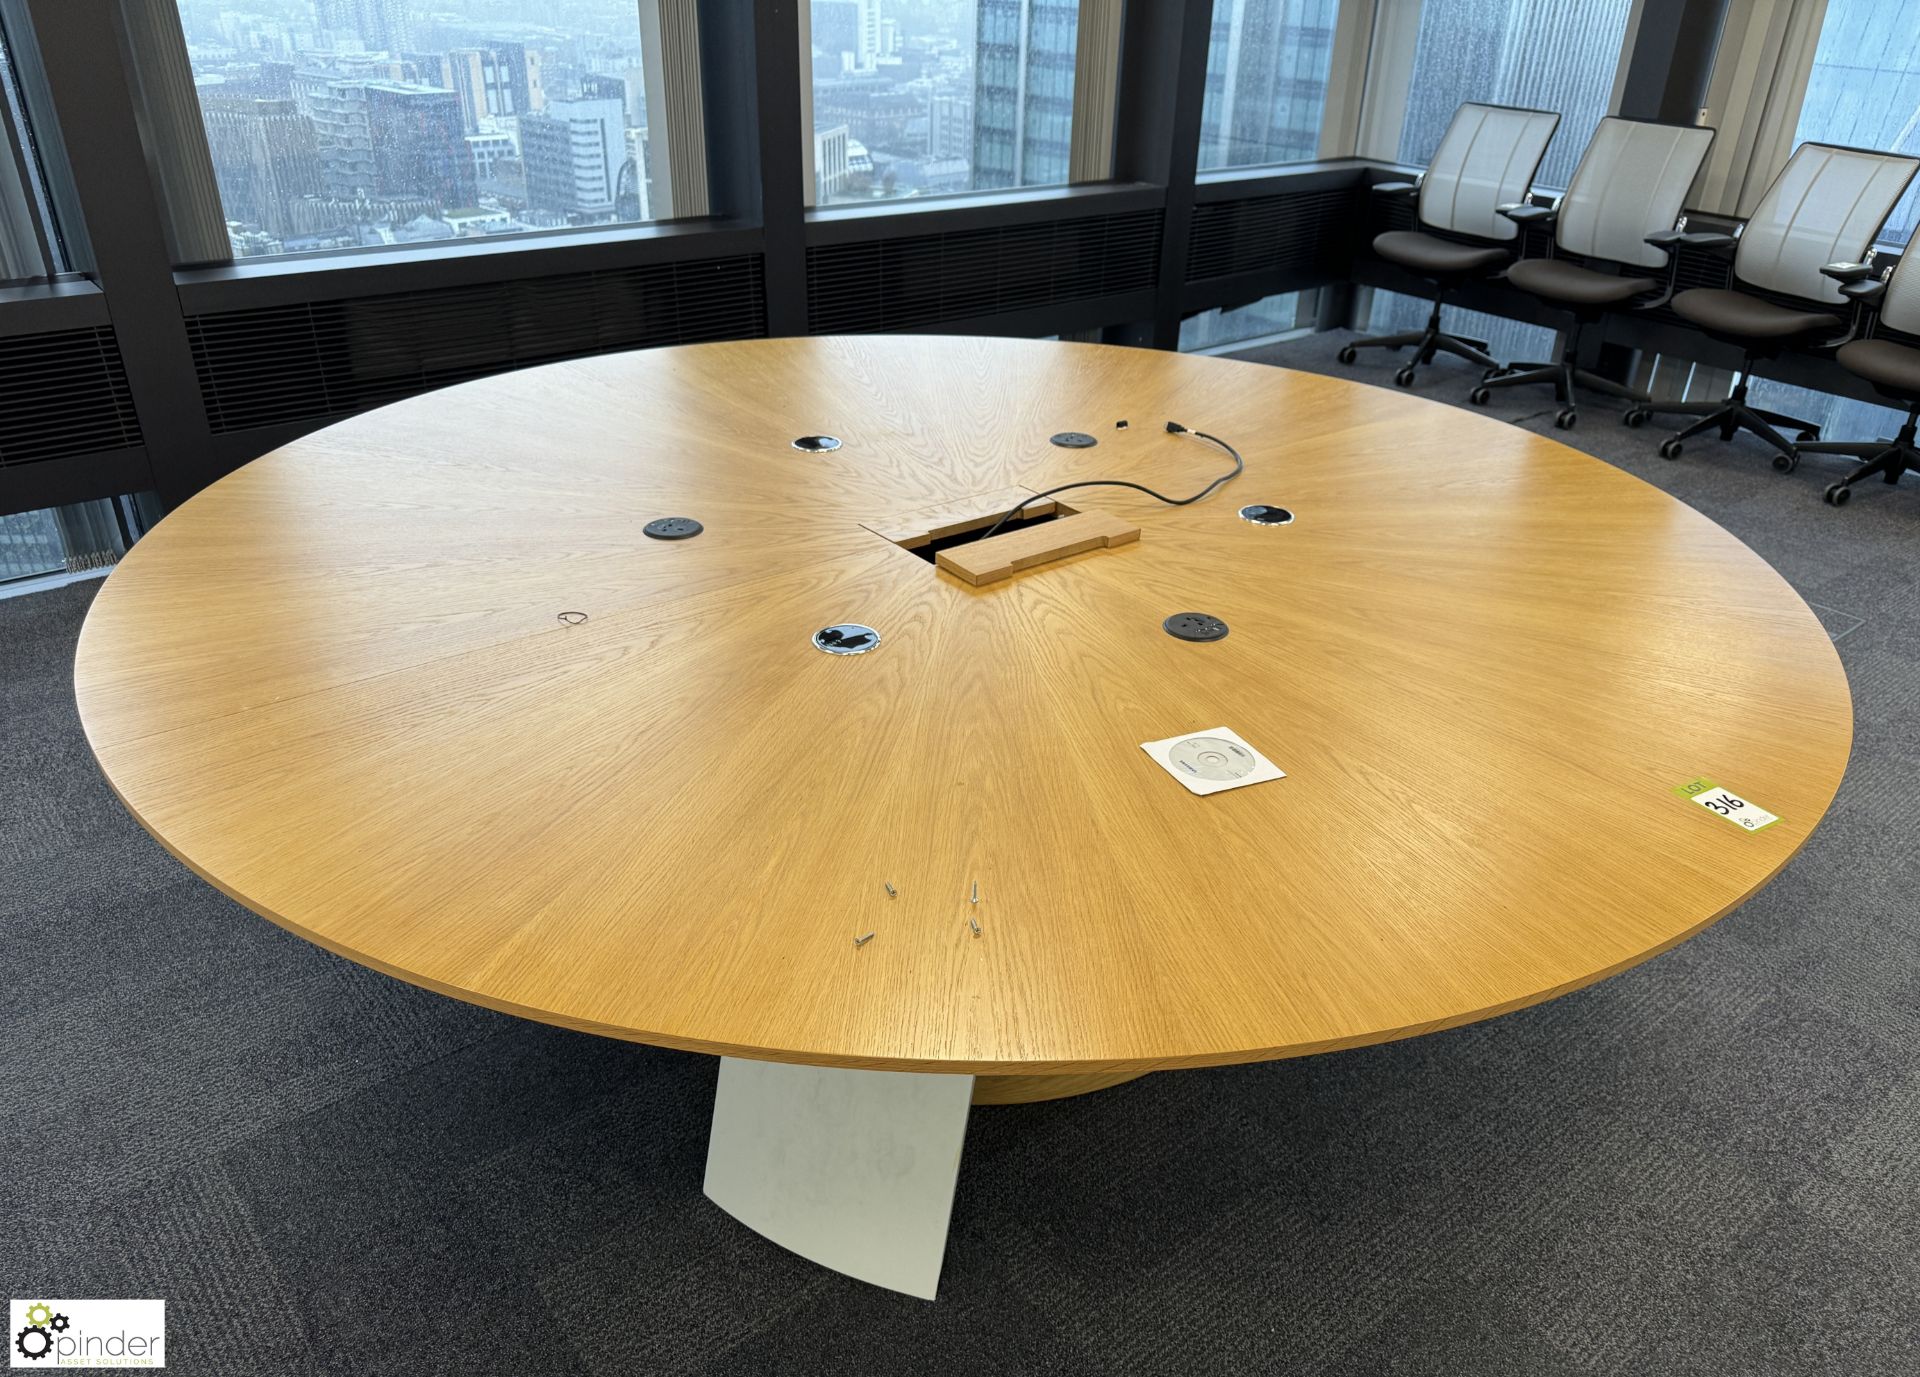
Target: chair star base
{"x": 1890, "y": 460}
{"x": 1564, "y": 377}
{"x": 1730, "y": 417}
{"x": 1429, "y": 341}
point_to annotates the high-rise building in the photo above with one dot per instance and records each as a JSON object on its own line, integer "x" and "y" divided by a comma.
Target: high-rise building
{"x": 1267, "y": 64}
{"x": 264, "y": 159}
{"x": 641, "y": 186}
{"x": 950, "y": 127}
{"x": 829, "y": 162}
{"x": 1023, "y": 92}
{"x": 1514, "y": 52}
{"x": 486, "y": 150}
{"x": 276, "y": 80}
{"x": 630, "y": 198}
{"x": 311, "y": 79}
{"x": 420, "y": 143}
{"x": 848, "y": 33}
{"x": 342, "y": 137}
{"x": 573, "y": 152}
{"x": 600, "y": 86}
{"x": 482, "y": 82}
{"x": 523, "y": 66}
{"x": 835, "y": 33}
{"x": 392, "y": 138}
{"x": 381, "y": 24}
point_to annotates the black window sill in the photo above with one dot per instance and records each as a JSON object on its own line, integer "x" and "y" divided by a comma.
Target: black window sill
{"x": 65, "y": 303}
{"x": 452, "y": 263}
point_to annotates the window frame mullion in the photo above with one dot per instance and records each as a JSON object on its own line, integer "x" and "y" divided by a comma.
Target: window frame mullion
{"x": 26, "y": 251}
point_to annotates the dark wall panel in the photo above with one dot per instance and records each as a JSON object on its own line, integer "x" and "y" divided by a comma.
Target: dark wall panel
{"x": 1297, "y": 230}
{"x": 924, "y": 280}
{"x": 323, "y": 359}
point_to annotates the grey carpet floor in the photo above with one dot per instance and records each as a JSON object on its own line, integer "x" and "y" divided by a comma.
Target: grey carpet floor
{"x": 1710, "y": 1164}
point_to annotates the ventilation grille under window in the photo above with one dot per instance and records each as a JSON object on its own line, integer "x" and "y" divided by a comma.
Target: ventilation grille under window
{"x": 61, "y": 394}
{"x": 896, "y": 284}
{"x": 1304, "y": 229}
{"x": 281, "y": 364}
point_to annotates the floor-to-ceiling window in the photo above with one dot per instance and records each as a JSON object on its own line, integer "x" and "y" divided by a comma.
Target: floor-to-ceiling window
{"x": 1543, "y": 54}
{"x": 349, "y": 124}
{"x": 1267, "y": 71}
{"x": 932, "y": 97}
{"x": 45, "y": 541}
{"x": 1864, "y": 89}
{"x": 1243, "y": 326}
{"x": 30, "y": 545}
{"x": 69, "y": 540}
{"x": 1559, "y": 55}
{"x": 29, "y": 240}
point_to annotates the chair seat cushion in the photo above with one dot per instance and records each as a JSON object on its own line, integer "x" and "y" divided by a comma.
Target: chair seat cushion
{"x": 1558, "y": 280}
{"x": 1425, "y": 254}
{"x": 1749, "y": 317}
{"x": 1888, "y": 366}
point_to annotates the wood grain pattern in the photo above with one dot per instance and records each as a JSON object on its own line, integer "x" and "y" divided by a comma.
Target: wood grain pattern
{"x": 1034, "y": 1089}
{"x": 335, "y": 685}
{"x": 1004, "y": 555}
{"x": 911, "y": 530}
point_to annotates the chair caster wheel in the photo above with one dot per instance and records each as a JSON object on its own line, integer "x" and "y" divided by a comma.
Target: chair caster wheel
{"x": 1348, "y": 354}
{"x": 1480, "y": 396}
{"x": 1669, "y": 449}
{"x": 1492, "y": 372}
{"x": 1785, "y": 463}
{"x": 1837, "y": 494}
{"x": 1405, "y": 376}
{"x": 1634, "y": 418}
{"x": 1808, "y": 436}
{"x": 1566, "y": 420}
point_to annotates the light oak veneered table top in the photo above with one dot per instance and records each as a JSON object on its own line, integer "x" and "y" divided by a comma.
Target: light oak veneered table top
{"x": 335, "y": 684}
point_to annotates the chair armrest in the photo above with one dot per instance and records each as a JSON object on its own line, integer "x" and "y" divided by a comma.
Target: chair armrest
{"x": 1863, "y": 291}
{"x": 1847, "y": 272}
{"x": 1671, "y": 240}
{"x": 1394, "y": 188}
{"x": 1691, "y": 239}
{"x": 1524, "y": 213}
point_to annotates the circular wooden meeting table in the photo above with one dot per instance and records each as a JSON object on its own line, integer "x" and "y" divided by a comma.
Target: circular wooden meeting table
{"x": 418, "y": 688}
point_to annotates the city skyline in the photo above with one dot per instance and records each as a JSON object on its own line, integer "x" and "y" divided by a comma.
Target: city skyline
{"x": 894, "y": 97}
{"x": 355, "y": 123}
{"x": 974, "y": 95}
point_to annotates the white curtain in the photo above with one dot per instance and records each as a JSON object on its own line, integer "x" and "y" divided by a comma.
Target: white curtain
{"x": 1759, "y": 82}
{"x": 20, "y": 255}
{"x": 676, "y": 112}
{"x": 176, "y": 137}
{"x": 1096, "y": 84}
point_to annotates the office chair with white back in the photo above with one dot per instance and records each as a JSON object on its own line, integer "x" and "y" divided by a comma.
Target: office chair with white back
{"x": 1486, "y": 160}
{"x": 1632, "y": 182}
{"x": 1892, "y": 366}
{"x": 1825, "y": 206}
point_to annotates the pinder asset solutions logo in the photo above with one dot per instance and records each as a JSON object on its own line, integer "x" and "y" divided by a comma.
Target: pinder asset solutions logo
{"x": 88, "y": 1333}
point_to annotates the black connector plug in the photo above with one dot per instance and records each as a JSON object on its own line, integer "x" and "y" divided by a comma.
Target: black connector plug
{"x": 1175, "y": 428}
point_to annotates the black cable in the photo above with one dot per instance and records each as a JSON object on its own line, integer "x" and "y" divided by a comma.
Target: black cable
{"x": 1173, "y": 428}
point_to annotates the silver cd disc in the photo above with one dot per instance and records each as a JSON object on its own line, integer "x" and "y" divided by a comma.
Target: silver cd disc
{"x": 1211, "y": 757}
